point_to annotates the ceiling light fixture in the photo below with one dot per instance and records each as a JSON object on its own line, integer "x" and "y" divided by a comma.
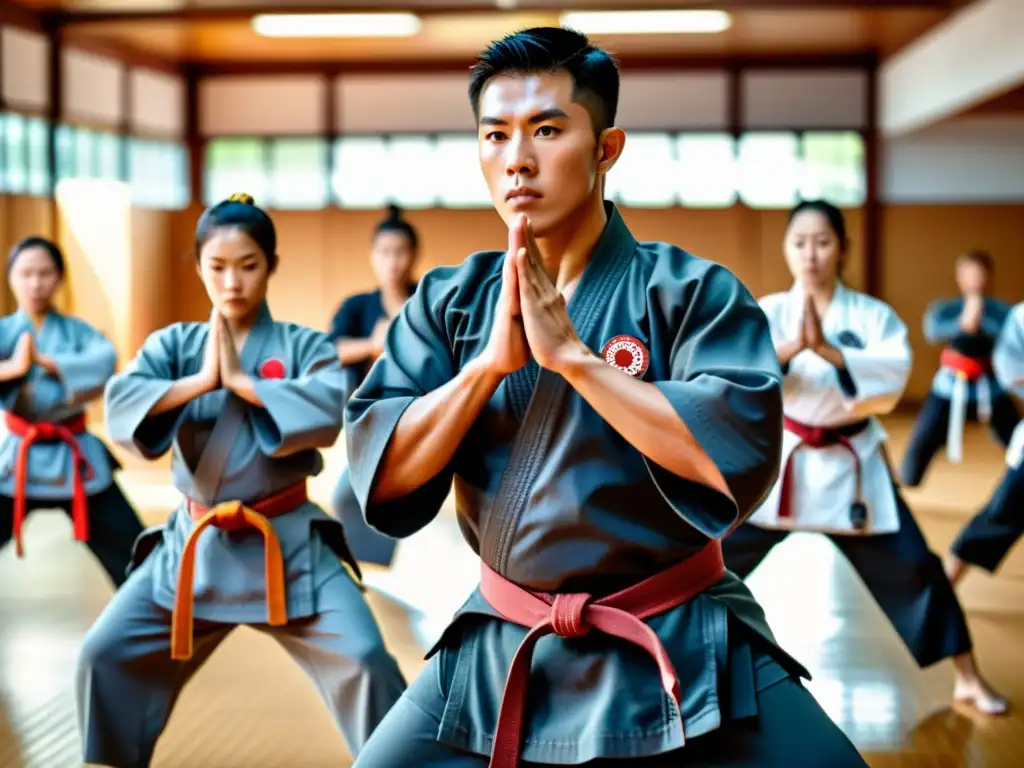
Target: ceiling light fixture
{"x": 336, "y": 24}
{"x": 647, "y": 22}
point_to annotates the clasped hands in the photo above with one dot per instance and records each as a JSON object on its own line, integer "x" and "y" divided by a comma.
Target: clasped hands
{"x": 26, "y": 353}
{"x": 221, "y": 367}
{"x": 531, "y": 316}
{"x": 810, "y": 337}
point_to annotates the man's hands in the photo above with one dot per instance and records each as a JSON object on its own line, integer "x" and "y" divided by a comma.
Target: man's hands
{"x": 531, "y": 316}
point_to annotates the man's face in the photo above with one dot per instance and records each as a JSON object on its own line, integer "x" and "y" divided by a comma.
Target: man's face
{"x": 538, "y": 151}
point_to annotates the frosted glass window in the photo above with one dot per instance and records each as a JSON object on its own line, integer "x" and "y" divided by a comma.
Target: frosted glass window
{"x": 460, "y": 181}
{"x": 769, "y": 170}
{"x": 15, "y": 154}
{"x": 706, "y": 174}
{"x": 413, "y": 176}
{"x": 235, "y": 165}
{"x": 298, "y": 174}
{"x": 361, "y": 167}
{"x": 834, "y": 167}
{"x": 38, "y": 156}
{"x": 646, "y": 173}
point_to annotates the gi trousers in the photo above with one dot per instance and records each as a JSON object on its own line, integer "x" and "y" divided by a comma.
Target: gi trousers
{"x": 113, "y": 527}
{"x": 932, "y": 428}
{"x": 127, "y": 682}
{"x": 789, "y": 730}
{"x": 904, "y": 576}
{"x": 991, "y": 533}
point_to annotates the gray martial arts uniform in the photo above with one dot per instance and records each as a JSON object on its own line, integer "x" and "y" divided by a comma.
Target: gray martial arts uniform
{"x": 225, "y": 449}
{"x": 554, "y": 499}
{"x": 985, "y": 401}
{"x": 85, "y": 360}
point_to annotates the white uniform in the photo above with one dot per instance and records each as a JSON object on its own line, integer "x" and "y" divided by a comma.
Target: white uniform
{"x": 873, "y": 341}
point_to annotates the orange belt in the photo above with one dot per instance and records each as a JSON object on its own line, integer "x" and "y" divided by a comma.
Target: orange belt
{"x": 29, "y": 432}
{"x": 234, "y": 516}
{"x": 971, "y": 368}
{"x": 620, "y": 615}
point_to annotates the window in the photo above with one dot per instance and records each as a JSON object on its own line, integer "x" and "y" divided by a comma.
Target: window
{"x": 834, "y": 168}
{"x": 412, "y": 177}
{"x": 360, "y": 172}
{"x": 298, "y": 174}
{"x": 109, "y": 159}
{"x": 15, "y": 153}
{"x": 38, "y": 156}
{"x": 769, "y": 170}
{"x": 460, "y": 182}
{"x": 65, "y": 141}
{"x": 706, "y": 174}
{"x": 646, "y": 175}
{"x": 86, "y": 164}
{"x": 235, "y": 165}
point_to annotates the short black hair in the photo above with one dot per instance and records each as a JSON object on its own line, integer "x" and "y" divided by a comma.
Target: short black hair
{"x": 36, "y": 241}
{"x": 594, "y": 71}
{"x": 980, "y": 257}
{"x": 239, "y": 212}
{"x": 395, "y": 222}
{"x": 832, "y": 215}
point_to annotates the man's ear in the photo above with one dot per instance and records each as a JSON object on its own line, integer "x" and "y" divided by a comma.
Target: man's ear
{"x": 610, "y": 144}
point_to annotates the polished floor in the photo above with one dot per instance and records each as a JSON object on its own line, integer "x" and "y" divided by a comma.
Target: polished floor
{"x": 251, "y": 708}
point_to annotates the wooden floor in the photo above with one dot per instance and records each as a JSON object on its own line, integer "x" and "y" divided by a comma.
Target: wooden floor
{"x": 251, "y": 708}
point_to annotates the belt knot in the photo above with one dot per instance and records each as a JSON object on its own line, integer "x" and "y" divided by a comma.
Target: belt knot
{"x": 230, "y": 516}
{"x": 567, "y": 615}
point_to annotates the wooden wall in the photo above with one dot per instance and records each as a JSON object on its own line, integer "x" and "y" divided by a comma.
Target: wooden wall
{"x": 324, "y": 255}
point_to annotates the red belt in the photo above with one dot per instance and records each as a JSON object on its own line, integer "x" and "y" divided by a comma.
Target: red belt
{"x": 29, "y": 432}
{"x": 575, "y": 615}
{"x": 972, "y": 368}
{"x": 818, "y": 437}
{"x": 234, "y": 516}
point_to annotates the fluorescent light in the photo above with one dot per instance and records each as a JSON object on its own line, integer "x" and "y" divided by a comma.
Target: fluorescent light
{"x": 647, "y": 22}
{"x": 336, "y": 24}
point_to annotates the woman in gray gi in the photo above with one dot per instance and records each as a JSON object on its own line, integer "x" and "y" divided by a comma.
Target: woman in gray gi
{"x": 245, "y": 403}
{"x": 52, "y": 366}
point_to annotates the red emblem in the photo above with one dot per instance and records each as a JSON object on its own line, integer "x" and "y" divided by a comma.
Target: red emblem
{"x": 272, "y": 369}
{"x": 628, "y": 354}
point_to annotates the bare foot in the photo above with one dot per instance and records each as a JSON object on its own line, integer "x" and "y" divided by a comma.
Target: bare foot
{"x": 978, "y": 694}
{"x": 970, "y": 688}
{"x": 956, "y": 569}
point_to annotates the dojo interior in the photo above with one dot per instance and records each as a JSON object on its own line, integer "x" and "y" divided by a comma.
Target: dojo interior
{"x": 120, "y": 120}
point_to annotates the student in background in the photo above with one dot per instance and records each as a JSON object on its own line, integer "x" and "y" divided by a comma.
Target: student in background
{"x": 357, "y": 331}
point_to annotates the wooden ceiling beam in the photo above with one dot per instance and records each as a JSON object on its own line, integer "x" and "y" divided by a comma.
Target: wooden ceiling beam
{"x": 865, "y": 60}
{"x": 78, "y": 18}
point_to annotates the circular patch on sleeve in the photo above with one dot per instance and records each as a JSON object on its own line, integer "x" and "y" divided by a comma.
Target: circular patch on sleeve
{"x": 272, "y": 369}
{"x": 628, "y": 354}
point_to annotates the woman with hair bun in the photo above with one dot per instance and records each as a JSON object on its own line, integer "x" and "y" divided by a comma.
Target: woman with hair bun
{"x": 52, "y": 366}
{"x": 245, "y": 403}
{"x": 357, "y": 331}
{"x": 358, "y": 326}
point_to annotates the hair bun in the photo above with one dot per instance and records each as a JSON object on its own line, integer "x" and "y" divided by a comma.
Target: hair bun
{"x": 394, "y": 212}
{"x": 243, "y": 198}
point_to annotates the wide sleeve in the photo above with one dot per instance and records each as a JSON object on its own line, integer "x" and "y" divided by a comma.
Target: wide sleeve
{"x": 942, "y": 321}
{"x": 84, "y": 371}
{"x": 305, "y": 412}
{"x": 131, "y": 394}
{"x": 1008, "y": 354}
{"x": 417, "y": 359}
{"x": 726, "y": 387}
{"x": 877, "y": 373}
